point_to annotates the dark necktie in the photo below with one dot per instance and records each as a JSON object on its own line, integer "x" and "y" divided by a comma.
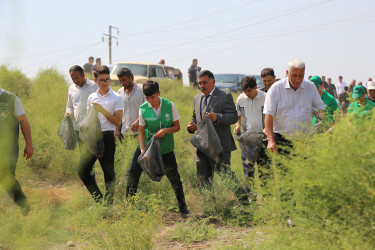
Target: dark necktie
{"x": 204, "y": 105}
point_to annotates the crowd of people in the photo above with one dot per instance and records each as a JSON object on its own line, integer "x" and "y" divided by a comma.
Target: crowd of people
{"x": 282, "y": 112}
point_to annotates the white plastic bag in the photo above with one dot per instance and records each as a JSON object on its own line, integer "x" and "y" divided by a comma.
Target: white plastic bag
{"x": 67, "y": 133}
{"x": 90, "y": 132}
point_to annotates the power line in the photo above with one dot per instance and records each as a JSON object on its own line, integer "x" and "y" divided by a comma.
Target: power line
{"x": 190, "y": 20}
{"x": 52, "y": 52}
{"x": 311, "y": 28}
{"x": 232, "y": 30}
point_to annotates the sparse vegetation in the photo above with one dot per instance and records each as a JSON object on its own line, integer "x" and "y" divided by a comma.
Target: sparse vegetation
{"x": 330, "y": 178}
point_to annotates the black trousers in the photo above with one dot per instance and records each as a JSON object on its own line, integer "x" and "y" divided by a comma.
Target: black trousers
{"x": 9, "y": 182}
{"x": 171, "y": 172}
{"x": 206, "y": 168}
{"x": 85, "y": 167}
{"x": 249, "y": 169}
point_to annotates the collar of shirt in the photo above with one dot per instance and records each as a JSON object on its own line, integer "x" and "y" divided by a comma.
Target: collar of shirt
{"x": 287, "y": 84}
{"x": 110, "y": 92}
{"x": 210, "y": 94}
{"x": 257, "y": 96}
{"x": 135, "y": 87}
{"x": 150, "y": 106}
{"x": 84, "y": 85}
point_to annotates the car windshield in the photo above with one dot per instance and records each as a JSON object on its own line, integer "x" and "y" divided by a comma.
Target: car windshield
{"x": 136, "y": 69}
{"x": 227, "y": 78}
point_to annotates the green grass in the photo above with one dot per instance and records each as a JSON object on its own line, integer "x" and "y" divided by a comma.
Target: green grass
{"x": 332, "y": 178}
{"x": 194, "y": 230}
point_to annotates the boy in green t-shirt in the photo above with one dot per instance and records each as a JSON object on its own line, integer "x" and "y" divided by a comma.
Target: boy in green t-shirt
{"x": 362, "y": 106}
{"x": 158, "y": 117}
{"x": 329, "y": 101}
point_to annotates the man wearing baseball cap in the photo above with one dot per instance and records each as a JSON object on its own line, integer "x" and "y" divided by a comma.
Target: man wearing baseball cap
{"x": 371, "y": 91}
{"x": 329, "y": 101}
{"x": 361, "y": 106}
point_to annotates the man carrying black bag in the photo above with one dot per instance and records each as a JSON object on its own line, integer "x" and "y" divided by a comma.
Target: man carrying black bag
{"x": 219, "y": 108}
{"x": 158, "y": 117}
{"x": 250, "y": 106}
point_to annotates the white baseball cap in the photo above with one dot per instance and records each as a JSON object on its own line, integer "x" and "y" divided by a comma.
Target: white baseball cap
{"x": 370, "y": 85}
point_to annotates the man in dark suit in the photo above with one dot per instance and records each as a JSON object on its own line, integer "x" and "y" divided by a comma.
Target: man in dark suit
{"x": 218, "y": 106}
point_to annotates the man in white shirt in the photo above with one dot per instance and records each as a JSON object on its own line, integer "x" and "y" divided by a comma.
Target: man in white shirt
{"x": 289, "y": 106}
{"x": 12, "y": 116}
{"x": 109, "y": 106}
{"x": 77, "y": 97}
{"x": 133, "y": 98}
{"x": 250, "y": 106}
{"x": 340, "y": 86}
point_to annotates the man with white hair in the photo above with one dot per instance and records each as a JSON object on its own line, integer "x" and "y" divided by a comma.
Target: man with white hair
{"x": 289, "y": 106}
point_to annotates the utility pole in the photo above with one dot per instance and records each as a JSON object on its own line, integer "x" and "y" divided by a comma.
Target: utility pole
{"x": 110, "y": 40}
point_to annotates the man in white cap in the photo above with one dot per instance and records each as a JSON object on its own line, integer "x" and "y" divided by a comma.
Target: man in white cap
{"x": 371, "y": 91}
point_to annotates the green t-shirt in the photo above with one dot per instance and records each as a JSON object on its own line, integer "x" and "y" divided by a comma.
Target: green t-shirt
{"x": 361, "y": 111}
{"x": 331, "y": 107}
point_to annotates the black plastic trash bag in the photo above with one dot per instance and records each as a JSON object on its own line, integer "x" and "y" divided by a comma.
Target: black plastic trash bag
{"x": 67, "y": 133}
{"x": 250, "y": 144}
{"x": 151, "y": 160}
{"x": 207, "y": 141}
{"x": 90, "y": 132}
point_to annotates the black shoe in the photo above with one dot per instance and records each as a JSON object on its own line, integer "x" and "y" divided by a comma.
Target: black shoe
{"x": 202, "y": 216}
{"x": 185, "y": 213}
{"x": 24, "y": 205}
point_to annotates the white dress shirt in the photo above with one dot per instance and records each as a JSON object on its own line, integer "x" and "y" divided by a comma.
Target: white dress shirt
{"x": 292, "y": 110}
{"x": 111, "y": 102}
{"x": 132, "y": 102}
{"x": 340, "y": 87}
{"x": 77, "y": 100}
{"x": 208, "y": 98}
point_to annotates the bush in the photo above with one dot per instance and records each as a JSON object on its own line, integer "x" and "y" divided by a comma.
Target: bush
{"x": 14, "y": 81}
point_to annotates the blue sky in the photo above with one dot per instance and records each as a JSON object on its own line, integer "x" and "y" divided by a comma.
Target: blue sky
{"x": 333, "y": 37}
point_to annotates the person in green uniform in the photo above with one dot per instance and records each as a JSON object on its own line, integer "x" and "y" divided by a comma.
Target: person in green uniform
{"x": 361, "y": 107}
{"x": 12, "y": 117}
{"x": 158, "y": 117}
{"x": 329, "y": 101}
